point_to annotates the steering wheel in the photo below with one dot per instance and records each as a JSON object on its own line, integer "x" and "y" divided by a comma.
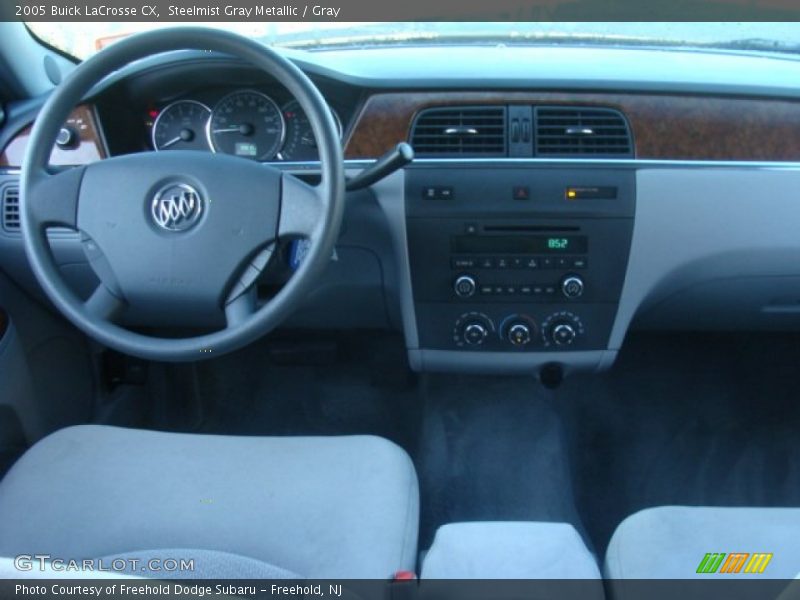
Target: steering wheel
{"x": 179, "y": 232}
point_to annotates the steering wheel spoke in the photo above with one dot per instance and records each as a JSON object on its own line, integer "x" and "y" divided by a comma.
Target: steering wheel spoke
{"x": 52, "y": 199}
{"x": 302, "y": 208}
{"x": 103, "y": 303}
{"x": 240, "y": 309}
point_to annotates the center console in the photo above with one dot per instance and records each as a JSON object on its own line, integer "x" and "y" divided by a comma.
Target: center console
{"x": 516, "y": 260}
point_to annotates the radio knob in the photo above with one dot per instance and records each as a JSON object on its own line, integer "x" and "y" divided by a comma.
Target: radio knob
{"x": 465, "y": 286}
{"x": 563, "y": 334}
{"x": 519, "y": 334}
{"x": 474, "y": 333}
{"x": 572, "y": 286}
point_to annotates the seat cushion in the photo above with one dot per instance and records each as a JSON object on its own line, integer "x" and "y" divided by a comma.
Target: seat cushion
{"x": 509, "y": 550}
{"x": 670, "y": 542}
{"x": 326, "y": 507}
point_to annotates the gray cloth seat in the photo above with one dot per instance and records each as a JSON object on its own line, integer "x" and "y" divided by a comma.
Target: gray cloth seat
{"x": 509, "y": 550}
{"x": 669, "y": 542}
{"x": 321, "y": 507}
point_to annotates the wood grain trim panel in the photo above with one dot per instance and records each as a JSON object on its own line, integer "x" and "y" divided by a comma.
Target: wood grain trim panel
{"x": 678, "y": 127}
{"x": 89, "y": 148}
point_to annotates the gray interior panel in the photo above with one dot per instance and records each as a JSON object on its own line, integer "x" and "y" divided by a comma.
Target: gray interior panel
{"x": 694, "y": 227}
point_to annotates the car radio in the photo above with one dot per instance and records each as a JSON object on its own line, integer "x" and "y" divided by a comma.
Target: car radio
{"x": 501, "y": 266}
{"x": 495, "y": 270}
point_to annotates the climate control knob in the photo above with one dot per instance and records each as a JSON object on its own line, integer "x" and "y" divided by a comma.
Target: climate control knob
{"x": 474, "y": 333}
{"x": 561, "y": 329}
{"x": 572, "y": 286}
{"x": 473, "y": 329}
{"x": 519, "y": 334}
{"x": 563, "y": 334}
{"x": 465, "y": 286}
{"x": 519, "y": 330}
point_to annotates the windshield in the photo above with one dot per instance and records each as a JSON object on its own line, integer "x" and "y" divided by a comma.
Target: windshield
{"x": 83, "y": 39}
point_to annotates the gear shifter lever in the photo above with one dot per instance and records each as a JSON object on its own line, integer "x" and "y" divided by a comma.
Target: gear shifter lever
{"x": 397, "y": 158}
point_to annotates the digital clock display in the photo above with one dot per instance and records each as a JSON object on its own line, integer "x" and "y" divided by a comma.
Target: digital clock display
{"x": 519, "y": 244}
{"x": 558, "y": 243}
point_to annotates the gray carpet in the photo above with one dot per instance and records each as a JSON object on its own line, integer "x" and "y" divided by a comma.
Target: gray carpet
{"x": 686, "y": 419}
{"x": 694, "y": 419}
{"x": 492, "y": 448}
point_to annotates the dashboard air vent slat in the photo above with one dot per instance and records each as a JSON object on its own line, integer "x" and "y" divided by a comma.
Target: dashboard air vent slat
{"x": 582, "y": 131}
{"x": 10, "y": 206}
{"x": 460, "y": 131}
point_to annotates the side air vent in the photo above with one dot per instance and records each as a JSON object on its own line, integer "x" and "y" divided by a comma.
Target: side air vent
{"x": 10, "y": 207}
{"x": 460, "y": 131}
{"x": 581, "y": 131}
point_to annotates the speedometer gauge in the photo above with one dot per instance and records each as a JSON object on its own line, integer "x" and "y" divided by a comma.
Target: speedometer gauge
{"x": 300, "y": 143}
{"x": 181, "y": 126}
{"x": 248, "y": 124}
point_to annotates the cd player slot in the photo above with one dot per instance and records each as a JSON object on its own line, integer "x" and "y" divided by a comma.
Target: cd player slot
{"x": 527, "y": 228}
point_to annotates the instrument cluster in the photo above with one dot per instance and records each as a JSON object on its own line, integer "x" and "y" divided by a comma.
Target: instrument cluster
{"x": 244, "y": 122}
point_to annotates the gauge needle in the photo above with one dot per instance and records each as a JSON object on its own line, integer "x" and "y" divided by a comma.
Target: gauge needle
{"x": 172, "y": 142}
{"x": 186, "y": 135}
{"x": 244, "y": 129}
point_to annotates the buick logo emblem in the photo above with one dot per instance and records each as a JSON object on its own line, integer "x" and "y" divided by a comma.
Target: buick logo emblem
{"x": 177, "y": 207}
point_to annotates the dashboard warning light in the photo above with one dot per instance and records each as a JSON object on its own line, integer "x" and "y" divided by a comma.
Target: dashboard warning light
{"x": 572, "y": 194}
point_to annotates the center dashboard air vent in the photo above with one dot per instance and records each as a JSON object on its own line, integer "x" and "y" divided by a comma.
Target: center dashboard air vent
{"x": 468, "y": 131}
{"x": 575, "y": 131}
{"x": 9, "y": 201}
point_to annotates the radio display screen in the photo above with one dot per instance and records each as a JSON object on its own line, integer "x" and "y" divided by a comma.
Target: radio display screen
{"x": 519, "y": 244}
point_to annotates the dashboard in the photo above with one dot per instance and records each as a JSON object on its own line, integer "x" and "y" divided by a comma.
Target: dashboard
{"x": 227, "y": 109}
{"x": 551, "y": 206}
{"x": 242, "y": 122}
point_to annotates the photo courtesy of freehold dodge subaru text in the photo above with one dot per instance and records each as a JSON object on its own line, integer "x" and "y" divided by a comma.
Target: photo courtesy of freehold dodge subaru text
{"x": 424, "y": 300}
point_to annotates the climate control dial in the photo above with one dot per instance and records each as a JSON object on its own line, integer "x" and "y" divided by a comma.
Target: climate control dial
{"x": 472, "y": 329}
{"x": 561, "y": 329}
{"x": 518, "y": 330}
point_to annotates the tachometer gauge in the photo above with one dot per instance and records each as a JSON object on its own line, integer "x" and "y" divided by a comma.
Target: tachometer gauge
{"x": 247, "y": 124}
{"x": 300, "y": 143}
{"x": 181, "y": 126}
